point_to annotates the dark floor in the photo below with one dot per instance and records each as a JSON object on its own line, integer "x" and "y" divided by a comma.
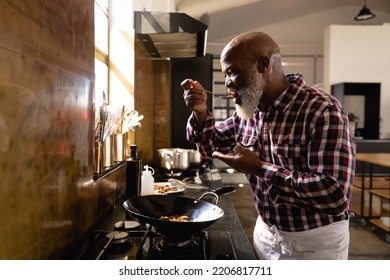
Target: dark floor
{"x": 366, "y": 242}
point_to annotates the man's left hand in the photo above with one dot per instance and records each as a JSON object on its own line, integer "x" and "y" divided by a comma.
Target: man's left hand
{"x": 243, "y": 160}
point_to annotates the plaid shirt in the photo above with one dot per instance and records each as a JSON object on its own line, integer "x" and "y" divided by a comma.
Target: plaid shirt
{"x": 307, "y": 152}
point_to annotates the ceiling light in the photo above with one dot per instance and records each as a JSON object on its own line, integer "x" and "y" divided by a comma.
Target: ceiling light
{"x": 364, "y": 13}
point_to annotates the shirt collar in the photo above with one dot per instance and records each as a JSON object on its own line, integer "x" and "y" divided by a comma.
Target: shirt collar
{"x": 290, "y": 94}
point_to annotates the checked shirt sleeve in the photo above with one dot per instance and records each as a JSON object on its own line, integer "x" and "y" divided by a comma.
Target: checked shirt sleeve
{"x": 211, "y": 138}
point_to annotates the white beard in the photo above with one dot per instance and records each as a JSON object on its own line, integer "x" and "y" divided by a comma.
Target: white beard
{"x": 250, "y": 98}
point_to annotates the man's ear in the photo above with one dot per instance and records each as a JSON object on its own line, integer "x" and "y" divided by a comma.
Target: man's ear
{"x": 263, "y": 63}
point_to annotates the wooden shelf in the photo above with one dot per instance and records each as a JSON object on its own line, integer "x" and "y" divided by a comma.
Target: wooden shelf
{"x": 385, "y": 194}
{"x": 380, "y": 159}
{"x": 356, "y": 203}
{"x": 356, "y": 209}
{"x": 377, "y": 193}
{"x": 380, "y": 224}
{"x": 377, "y": 182}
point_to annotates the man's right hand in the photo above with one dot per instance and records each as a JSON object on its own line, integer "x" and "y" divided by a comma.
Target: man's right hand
{"x": 195, "y": 97}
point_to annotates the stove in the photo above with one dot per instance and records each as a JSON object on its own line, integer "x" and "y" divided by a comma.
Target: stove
{"x": 146, "y": 244}
{"x": 115, "y": 239}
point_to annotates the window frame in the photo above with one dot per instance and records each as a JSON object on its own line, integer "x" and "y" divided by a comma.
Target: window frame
{"x": 100, "y": 54}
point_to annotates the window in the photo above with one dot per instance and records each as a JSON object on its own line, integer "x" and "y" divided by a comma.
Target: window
{"x": 102, "y": 23}
{"x": 309, "y": 65}
{"x": 222, "y": 108}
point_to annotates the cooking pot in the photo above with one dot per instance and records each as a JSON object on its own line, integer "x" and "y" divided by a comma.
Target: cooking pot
{"x": 201, "y": 214}
{"x": 194, "y": 157}
{"x": 174, "y": 158}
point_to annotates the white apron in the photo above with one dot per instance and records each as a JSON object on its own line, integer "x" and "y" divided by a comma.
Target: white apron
{"x": 329, "y": 242}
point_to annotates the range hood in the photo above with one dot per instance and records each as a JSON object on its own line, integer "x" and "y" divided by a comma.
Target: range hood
{"x": 168, "y": 35}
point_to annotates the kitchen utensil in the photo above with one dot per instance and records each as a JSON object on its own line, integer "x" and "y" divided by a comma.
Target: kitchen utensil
{"x": 201, "y": 214}
{"x": 187, "y": 85}
{"x": 190, "y": 183}
{"x": 194, "y": 157}
{"x": 174, "y": 159}
{"x": 230, "y": 96}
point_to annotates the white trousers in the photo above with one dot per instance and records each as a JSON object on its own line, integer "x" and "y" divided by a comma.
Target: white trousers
{"x": 329, "y": 242}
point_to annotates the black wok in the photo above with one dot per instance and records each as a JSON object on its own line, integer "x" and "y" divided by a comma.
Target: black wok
{"x": 201, "y": 214}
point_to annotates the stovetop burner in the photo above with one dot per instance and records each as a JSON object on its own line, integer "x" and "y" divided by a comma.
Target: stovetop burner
{"x": 118, "y": 237}
{"x": 126, "y": 225}
{"x": 180, "y": 247}
{"x": 146, "y": 244}
{"x": 176, "y": 241}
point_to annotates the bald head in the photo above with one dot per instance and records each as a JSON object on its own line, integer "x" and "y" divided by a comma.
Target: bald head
{"x": 253, "y": 44}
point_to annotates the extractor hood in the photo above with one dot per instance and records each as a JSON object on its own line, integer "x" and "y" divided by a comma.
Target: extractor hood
{"x": 168, "y": 35}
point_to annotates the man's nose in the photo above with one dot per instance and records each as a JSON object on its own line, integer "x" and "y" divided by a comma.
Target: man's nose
{"x": 228, "y": 82}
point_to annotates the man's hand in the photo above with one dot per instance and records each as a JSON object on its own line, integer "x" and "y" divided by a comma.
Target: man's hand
{"x": 243, "y": 160}
{"x": 194, "y": 96}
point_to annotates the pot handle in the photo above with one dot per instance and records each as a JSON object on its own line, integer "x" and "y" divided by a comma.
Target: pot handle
{"x": 168, "y": 161}
{"x": 209, "y": 193}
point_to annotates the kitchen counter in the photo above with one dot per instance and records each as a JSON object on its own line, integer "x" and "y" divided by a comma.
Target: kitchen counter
{"x": 228, "y": 222}
{"x": 368, "y": 147}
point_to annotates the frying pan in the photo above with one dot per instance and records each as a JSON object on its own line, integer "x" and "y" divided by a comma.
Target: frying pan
{"x": 201, "y": 214}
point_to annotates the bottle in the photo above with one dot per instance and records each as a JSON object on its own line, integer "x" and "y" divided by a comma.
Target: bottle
{"x": 147, "y": 181}
{"x": 133, "y": 173}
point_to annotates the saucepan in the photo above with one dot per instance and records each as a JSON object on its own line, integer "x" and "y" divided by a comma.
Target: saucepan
{"x": 152, "y": 209}
{"x": 194, "y": 156}
{"x": 173, "y": 158}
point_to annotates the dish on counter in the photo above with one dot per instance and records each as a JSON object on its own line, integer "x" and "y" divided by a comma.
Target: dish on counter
{"x": 167, "y": 188}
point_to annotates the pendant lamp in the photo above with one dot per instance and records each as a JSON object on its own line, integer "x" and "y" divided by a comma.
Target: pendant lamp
{"x": 364, "y": 13}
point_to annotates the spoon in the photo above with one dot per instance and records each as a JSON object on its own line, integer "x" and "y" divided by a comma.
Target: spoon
{"x": 185, "y": 84}
{"x": 232, "y": 95}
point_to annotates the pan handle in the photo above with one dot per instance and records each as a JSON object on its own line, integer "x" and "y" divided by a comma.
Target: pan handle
{"x": 209, "y": 193}
{"x": 218, "y": 192}
{"x": 224, "y": 190}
